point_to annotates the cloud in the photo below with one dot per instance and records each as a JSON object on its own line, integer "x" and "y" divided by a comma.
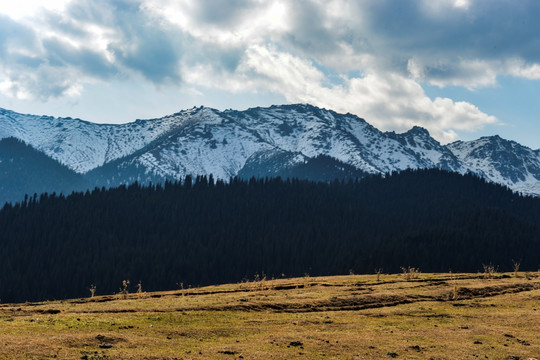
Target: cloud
{"x": 363, "y": 57}
{"x": 223, "y": 13}
{"x": 90, "y": 41}
{"x": 389, "y": 101}
{"x": 471, "y": 74}
{"x": 452, "y": 42}
{"x": 88, "y": 61}
{"x": 14, "y": 37}
{"x": 23, "y": 71}
{"x": 520, "y": 69}
{"x": 457, "y": 42}
{"x": 28, "y": 8}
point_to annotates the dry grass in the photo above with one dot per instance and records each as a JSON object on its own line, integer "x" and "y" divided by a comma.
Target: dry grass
{"x": 439, "y": 316}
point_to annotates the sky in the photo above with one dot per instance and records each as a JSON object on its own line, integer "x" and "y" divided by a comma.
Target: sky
{"x": 460, "y": 68}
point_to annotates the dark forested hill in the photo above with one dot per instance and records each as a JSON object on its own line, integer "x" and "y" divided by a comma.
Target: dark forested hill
{"x": 25, "y": 170}
{"x": 201, "y": 231}
{"x": 321, "y": 168}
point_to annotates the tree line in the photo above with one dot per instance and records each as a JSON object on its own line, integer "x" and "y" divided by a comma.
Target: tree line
{"x": 199, "y": 231}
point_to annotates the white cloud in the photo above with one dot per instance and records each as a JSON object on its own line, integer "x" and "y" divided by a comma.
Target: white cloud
{"x": 232, "y": 23}
{"x": 464, "y": 4}
{"x": 520, "y": 69}
{"x": 390, "y": 101}
{"x": 453, "y": 42}
{"x": 470, "y": 74}
{"x": 27, "y": 8}
{"x": 368, "y": 58}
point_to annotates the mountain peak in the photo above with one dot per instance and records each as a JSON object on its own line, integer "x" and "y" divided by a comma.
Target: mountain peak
{"x": 492, "y": 138}
{"x": 415, "y": 131}
{"x": 418, "y": 130}
{"x": 203, "y": 141}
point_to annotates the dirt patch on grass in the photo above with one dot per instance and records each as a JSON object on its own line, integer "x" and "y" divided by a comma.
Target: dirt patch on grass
{"x": 48, "y": 311}
{"x": 331, "y": 304}
{"x": 92, "y": 341}
{"x": 487, "y": 291}
{"x": 357, "y": 301}
{"x": 360, "y": 302}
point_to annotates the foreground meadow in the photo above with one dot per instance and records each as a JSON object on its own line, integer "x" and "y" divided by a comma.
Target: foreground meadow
{"x": 414, "y": 316}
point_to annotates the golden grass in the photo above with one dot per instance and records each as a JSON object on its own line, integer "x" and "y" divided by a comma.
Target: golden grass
{"x": 434, "y": 316}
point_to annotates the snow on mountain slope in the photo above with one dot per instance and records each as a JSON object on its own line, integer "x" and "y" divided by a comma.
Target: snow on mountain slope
{"x": 202, "y": 141}
{"x": 206, "y": 143}
{"x": 220, "y": 143}
{"x": 501, "y": 161}
{"x": 82, "y": 145}
{"x": 312, "y": 131}
{"x": 429, "y": 152}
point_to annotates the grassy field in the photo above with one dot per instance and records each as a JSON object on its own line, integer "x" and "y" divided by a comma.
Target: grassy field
{"x": 428, "y": 316}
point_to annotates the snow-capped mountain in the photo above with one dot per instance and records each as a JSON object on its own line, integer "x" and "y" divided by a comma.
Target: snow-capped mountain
{"x": 78, "y": 144}
{"x": 278, "y": 140}
{"x": 221, "y": 143}
{"x": 501, "y": 161}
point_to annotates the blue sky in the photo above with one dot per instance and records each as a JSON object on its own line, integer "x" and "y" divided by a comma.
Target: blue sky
{"x": 460, "y": 68}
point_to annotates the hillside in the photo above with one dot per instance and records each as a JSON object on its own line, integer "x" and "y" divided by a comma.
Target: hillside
{"x": 204, "y": 231}
{"x": 425, "y": 316}
{"x": 26, "y": 171}
{"x": 284, "y": 140}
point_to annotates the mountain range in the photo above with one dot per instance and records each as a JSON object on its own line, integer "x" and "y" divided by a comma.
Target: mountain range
{"x": 286, "y": 140}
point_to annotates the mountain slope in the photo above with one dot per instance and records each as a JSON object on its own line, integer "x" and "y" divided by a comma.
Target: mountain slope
{"x": 261, "y": 142}
{"x": 429, "y": 152}
{"x": 194, "y": 140}
{"x": 78, "y": 144}
{"x": 291, "y": 165}
{"x": 501, "y": 161}
{"x": 207, "y": 141}
{"x": 24, "y": 170}
{"x": 312, "y": 131}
